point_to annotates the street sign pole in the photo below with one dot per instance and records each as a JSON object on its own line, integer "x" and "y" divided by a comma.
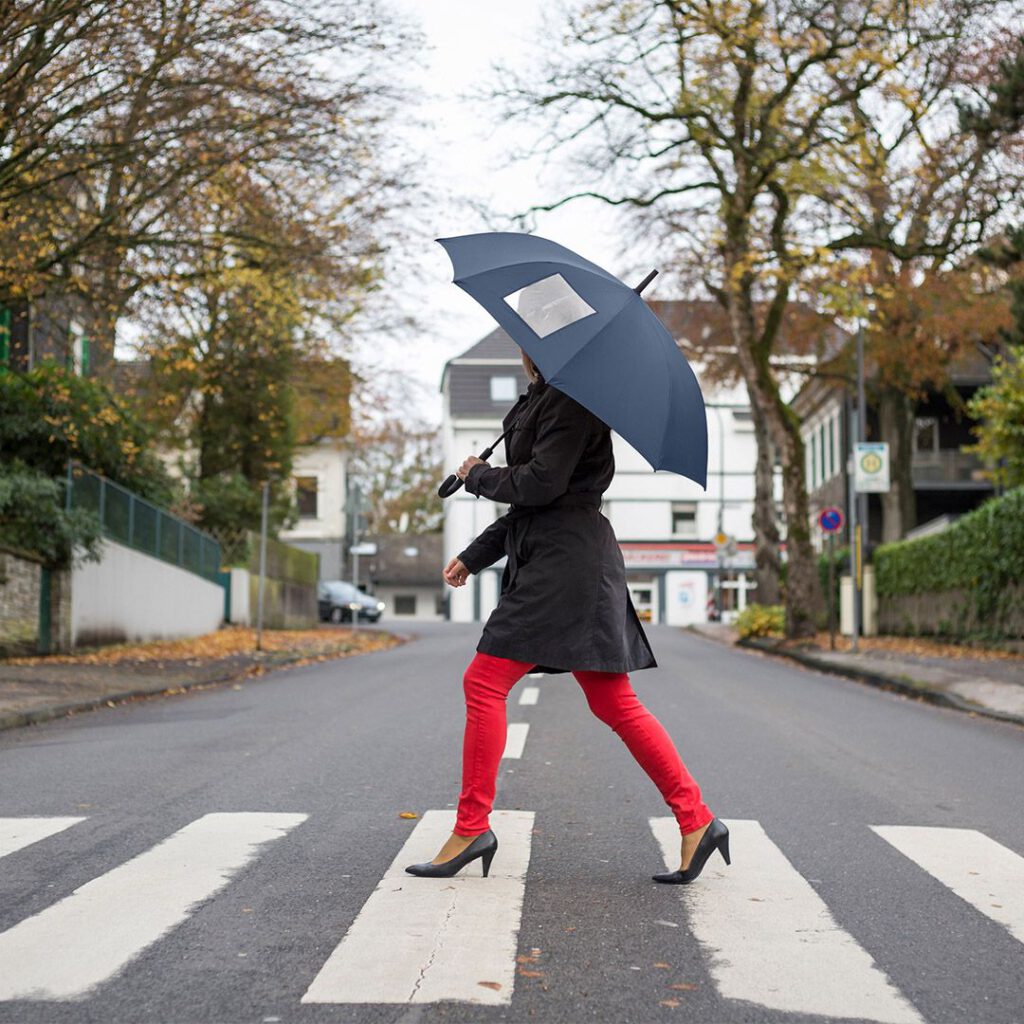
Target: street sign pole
{"x": 263, "y": 565}
{"x": 831, "y": 591}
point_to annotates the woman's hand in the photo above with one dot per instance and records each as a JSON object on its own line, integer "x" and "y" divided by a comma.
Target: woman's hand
{"x": 455, "y": 573}
{"x": 471, "y": 460}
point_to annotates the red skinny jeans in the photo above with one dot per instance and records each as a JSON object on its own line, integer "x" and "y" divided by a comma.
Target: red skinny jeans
{"x": 487, "y": 682}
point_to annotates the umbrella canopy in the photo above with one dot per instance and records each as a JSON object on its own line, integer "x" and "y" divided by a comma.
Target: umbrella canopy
{"x": 594, "y": 338}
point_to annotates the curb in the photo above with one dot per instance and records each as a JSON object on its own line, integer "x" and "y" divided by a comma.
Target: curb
{"x": 916, "y": 689}
{"x": 48, "y": 712}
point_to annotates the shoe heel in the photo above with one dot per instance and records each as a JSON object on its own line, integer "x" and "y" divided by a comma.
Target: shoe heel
{"x": 486, "y": 859}
{"x": 723, "y": 848}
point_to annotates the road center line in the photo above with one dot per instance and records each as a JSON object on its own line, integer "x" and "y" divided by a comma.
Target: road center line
{"x": 978, "y": 869}
{"x": 771, "y": 937}
{"x": 515, "y": 739}
{"x": 69, "y": 948}
{"x": 16, "y": 833}
{"x": 529, "y": 695}
{"x": 423, "y": 940}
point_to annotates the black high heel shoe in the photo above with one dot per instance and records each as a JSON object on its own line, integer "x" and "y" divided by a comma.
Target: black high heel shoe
{"x": 483, "y": 846}
{"x": 715, "y": 838}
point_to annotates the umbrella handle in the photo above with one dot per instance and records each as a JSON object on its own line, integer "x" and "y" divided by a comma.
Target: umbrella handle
{"x": 453, "y": 483}
{"x": 449, "y": 487}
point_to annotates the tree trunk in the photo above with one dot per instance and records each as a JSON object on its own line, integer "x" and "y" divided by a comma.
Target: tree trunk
{"x": 766, "y": 529}
{"x": 896, "y": 425}
{"x": 803, "y": 589}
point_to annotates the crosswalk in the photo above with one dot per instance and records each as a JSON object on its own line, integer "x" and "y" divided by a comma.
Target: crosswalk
{"x": 768, "y": 937}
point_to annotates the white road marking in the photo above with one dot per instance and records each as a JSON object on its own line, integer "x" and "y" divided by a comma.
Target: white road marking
{"x": 515, "y": 739}
{"x": 68, "y": 949}
{"x": 529, "y": 695}
{"x": 16, "y": 833}
{"x": 423, "y": 940}
{"x": 772, "y": 939}
{"x": 978, "y": 869}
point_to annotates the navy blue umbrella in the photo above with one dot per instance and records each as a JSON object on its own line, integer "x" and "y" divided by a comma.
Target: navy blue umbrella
{"x": 592, "y": 337}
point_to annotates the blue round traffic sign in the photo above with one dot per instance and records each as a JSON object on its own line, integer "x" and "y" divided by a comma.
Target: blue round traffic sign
{"x": 831, "y": 519}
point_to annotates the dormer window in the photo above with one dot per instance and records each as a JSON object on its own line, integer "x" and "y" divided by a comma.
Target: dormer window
{"x": 503, "y": 389}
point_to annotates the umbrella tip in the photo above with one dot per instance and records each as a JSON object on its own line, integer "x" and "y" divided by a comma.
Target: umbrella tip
{"x": 645, "y": 282}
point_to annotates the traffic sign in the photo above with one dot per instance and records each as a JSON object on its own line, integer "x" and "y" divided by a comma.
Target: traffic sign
{"x": 871, "y": 467}
{"x": 831, "y": 519}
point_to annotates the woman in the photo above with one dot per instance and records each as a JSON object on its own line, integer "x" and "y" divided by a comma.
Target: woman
{"x": 564, "y": 606}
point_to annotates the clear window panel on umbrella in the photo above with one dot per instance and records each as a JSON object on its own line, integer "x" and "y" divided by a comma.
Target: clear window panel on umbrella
{"x": 549, "y": 305}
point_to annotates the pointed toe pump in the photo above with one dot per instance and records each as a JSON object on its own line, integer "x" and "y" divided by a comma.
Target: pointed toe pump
{"x": 483, "y": 846}
{"x": 715, "y": 838}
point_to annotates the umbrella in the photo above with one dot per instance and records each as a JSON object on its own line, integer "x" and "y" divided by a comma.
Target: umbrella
{"x": 593, "y": 338}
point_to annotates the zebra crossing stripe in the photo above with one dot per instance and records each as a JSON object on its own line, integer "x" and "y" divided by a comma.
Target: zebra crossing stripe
{"x": 529, "y": 695}
{"x": 16, "y": 833}
{"x": 978, "y": 869}
{"x": 771, "y": 938}
{"x": 423, "y": 940}
{"x": 68, "y": 949}
{"x": 515, "y": 739}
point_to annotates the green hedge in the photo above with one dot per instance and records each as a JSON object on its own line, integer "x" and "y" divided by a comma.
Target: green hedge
{"x": 982, "y": 553}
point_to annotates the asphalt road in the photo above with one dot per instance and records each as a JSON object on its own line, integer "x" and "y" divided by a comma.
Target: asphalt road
{"x": 228, "y": 841}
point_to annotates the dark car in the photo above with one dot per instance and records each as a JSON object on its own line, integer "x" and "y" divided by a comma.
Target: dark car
{"x": 338, "y": 600}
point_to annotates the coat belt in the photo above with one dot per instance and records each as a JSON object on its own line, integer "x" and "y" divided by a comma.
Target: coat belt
{"x": 519, "y": 517}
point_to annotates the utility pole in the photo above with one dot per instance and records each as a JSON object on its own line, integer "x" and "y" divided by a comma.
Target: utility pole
{"x": 357, "y": 506}
{"x": 263, "y": 565}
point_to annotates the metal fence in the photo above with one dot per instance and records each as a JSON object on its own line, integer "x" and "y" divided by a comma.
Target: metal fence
{"x": 137, "y": 523}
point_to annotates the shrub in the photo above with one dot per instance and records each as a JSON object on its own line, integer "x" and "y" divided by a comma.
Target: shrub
{"x": 982, "y": 554}
{"x": 48, "y": 416}
{"x": 33, "y": 518}
{"x": 761, "y": 620}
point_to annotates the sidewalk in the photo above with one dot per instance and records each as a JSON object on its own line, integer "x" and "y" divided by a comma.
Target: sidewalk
{"x": 981, "y": 682}
{"x": 38, "y": 689}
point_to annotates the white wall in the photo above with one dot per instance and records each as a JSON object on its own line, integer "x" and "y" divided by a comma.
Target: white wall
{"x": 426, "y": 602}
{"x": 131, "y": 596}
{"x": 328, "y": 464}
{"x": 686, "y": 597}
{"x": 239, "y": 612}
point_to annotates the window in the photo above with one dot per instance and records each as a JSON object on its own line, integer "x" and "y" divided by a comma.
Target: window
{"x": 743, "y": 421}
{"x": 814, "y": 460}
{"x": 822, "y": 473}
{"x": 405, "y": 604}
{"x": 926, "y": 439}
{"x": 78, "y": 350}
{"x": 684, "y": 519}
{"x": 305, "y": 496}
{"x": 549, "y": 305}
{"x": 503, "y": 389}
{"x": 832, "y": 466}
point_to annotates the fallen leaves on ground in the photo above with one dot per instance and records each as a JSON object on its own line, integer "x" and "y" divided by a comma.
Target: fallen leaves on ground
{"x": 408, "y": 814}
{"x": 916, "y": 646}
{"x": 304, "y": 644}
{"x": 490, "y": 984}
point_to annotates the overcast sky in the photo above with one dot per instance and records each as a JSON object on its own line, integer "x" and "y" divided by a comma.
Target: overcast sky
{"x": 465, "y": 154}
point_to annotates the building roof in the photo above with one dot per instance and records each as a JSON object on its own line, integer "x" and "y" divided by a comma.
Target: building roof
{"x": 395, "y": 565}
{"x": 467, "y": 377}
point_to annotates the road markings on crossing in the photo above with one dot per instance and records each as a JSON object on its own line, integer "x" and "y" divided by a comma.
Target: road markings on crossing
{"x": 423, "y": 940}
{"x": 68, "y": 949}
{"x": 771, "y": 938}
{"x": 529, "y": 695}
{"x": 16, "y": 833}
{"x": 515, "y": 739}
{"x": 978, "y": 869}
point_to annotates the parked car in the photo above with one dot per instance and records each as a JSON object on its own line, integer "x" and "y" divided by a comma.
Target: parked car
{"x": 339, "y": 599}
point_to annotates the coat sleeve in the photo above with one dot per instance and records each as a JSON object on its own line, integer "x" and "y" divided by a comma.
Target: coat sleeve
{"x": 487, "y": 548}
{"x": 563, "y": 430}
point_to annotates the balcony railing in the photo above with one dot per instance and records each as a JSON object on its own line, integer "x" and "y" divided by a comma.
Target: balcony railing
{"x": 948, "y": 467}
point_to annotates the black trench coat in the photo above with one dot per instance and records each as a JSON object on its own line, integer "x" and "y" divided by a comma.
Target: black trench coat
{"x": 564, "y": 604}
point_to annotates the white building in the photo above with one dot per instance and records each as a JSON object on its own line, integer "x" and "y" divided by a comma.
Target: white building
{"x": 666, "y": 525}
{"x": 320, "y": 473}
